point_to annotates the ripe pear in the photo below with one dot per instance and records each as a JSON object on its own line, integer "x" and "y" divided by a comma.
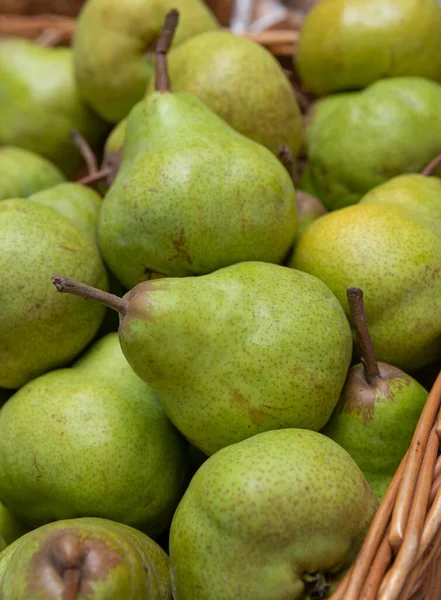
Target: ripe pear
{"x": 112, "y": 43}
{"x": 91, "y": 440}
{"x": 226, "y": 71}
{"x": 349, "y": 44}
{"x": 81, "y": 205}
{"x": 249, "y": 348}
{"x": 273, "y": 517}
{"x": 349, "y": 153}
{"x": 84, "y": 558}
{"x": 213, "y": 197}
{"x": 416, "y": 194}
{"x": 40, "y": 104}
{"x": 378, "y": 410}
{"x": 37, "y": 332}
{"x": 23, "y": 173}
{"x": 395, "y": 258}
{"x": 11, "y": 528}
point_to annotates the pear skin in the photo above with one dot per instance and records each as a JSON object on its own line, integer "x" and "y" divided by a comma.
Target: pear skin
{"x": 270, "y": 518}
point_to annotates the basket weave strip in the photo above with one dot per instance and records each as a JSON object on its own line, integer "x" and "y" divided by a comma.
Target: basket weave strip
{"x": 401, "y": 554}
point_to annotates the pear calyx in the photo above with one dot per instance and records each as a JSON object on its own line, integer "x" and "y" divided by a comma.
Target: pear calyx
{"x": 431, "y": 166}
{"x": 368, "y": 358}
{"x": 162, "y": 79}
{"x": 69, "y": 286}
{"x": 86, "y": 152}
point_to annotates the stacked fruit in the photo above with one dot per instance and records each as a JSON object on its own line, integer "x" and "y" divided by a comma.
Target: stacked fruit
{"x": 234, "y": 438}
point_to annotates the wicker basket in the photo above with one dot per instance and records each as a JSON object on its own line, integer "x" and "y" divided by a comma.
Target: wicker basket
{"x": 401, "y": 555}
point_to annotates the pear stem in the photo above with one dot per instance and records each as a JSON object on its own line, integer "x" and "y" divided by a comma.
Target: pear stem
{"x": 72, "y": 578}
{"x": 428, "y": 169}
{"x": 286, "y": 157}
{"x": 85, "y": 151}
{"x": 94, "y": 177}
{"x": 368, "y": 358}
{"x": 162, "y": 79}
{"x": 69, "y": 286}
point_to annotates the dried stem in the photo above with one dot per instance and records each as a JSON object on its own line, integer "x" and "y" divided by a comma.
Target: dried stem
{"x": 356, "y": 306}
{"x": 69, "y": 286}
{"x": 428, "y": 169}
{"x": 86, "y": 152}
{"x": 162, "y": 79}
{"x": 95, "y": 177}
{"x": 72, "y": 583}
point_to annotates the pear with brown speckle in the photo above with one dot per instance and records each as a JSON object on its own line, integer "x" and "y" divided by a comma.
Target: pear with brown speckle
{"x": 84, "y": 558}
{"x": 276, "y": 517}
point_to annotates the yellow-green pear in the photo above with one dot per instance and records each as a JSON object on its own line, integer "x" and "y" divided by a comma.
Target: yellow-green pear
{"x": 278, "y": 516}
{"x": 192, "y": 194}
{"x": 113, "y": 47}
{"x": 378, "y": 410}
{"x": 23, "y": 173}
{"x": 348, "y": 44}
{"x": 91, "y": 440}
{"x": 356, "y": 141}
{"x": 243, "y": 83}
{"x": 391, "y": 253}
{"x": 37, "y": 333}
{"x": 84, "y": 558}
{"x": 11, "y": 528}
{"x": 248, "y": 348}
{"x": 40, "y": 104}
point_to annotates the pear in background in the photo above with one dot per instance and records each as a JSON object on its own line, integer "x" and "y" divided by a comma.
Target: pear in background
{"x": 112, "y": 43}
{"x": 37, "y": 332}
{"x": 92, "y": 440}
{"x": 40, "y": 104}
{"x": 378, "y": 411}
{"x": 276, "y": 516}
{"x": 23, "y": 173}
{"x": 192, "y": 195}
{"x": 348, "y": 151}
{"x": 392, "y": 254}
{"x": 249, "y": 348}
{"x": 79, "y": 204}
{"x": 84, "y": 558}
{"x": 243, "y": 83}
{"x": 348, "y": 44}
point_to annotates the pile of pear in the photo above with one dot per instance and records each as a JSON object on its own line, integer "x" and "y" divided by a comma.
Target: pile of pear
{"x": 217, "y": 338}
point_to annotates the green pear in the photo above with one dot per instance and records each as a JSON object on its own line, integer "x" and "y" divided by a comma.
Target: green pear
{"x": 40, "y": 104}
{"x": 348, "y": 150}
{"x": 37, "y": 331}
{"x": 416, "y": 194}
{"x": 274, "y": 517}
{"x": 213, "y": 197}
{"x": 79, "y": 204}
{"x": 378, "y": 410}
{"x": 91, "y": 440}
{"x": 23, "y": 173}
{"x": 112, "y": 43}
{"x": 395, "y": 258}
{"x": 249, "y": 348}
{"x": 348, "y": 44}
{"x": 84, "y": 558}
{"x": 243, "y": 83}
{"x": 11, "y": 528}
